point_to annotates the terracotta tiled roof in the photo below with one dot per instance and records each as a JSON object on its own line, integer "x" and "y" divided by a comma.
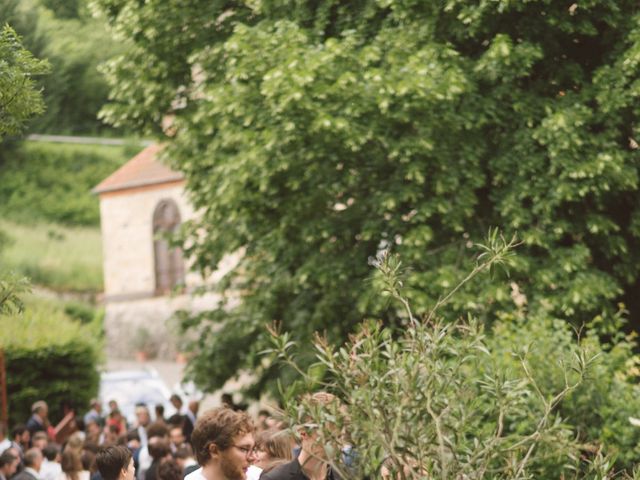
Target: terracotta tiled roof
{"x": 142, "y": 170}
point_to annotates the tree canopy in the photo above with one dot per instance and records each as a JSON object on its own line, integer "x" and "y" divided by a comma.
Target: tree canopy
{"x": 19, "y": 97}
{"x": 74, "y": 43}
{"x": 315, "y": 134}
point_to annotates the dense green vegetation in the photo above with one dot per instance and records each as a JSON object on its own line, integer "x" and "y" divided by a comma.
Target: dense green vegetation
{"x": 52, "y": 182}
{"x": 74, "y": 43}
{"x": 444, "y": 399}
{"x": 61, "y": 368}
{"x": 315, "y": 134}
{"x": 19, "y": 95}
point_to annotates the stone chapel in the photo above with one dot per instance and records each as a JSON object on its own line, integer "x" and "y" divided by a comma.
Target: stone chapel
{"x": 145, "y": 281}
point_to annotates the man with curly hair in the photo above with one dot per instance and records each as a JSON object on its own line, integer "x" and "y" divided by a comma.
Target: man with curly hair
{"x": 224, "y": 446}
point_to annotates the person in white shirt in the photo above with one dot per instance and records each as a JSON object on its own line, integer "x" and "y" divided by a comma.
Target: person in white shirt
{"x": 224, "y": 446}
{"x": 4, "y": 441}
{"x": 51, "y": 468}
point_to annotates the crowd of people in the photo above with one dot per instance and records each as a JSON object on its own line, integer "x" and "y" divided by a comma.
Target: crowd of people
{"x": 223, "y": 443}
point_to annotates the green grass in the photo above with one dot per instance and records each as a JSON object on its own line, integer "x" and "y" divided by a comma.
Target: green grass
{"x": 57, "y": 257}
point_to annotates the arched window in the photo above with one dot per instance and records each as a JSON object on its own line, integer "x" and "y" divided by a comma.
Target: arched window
{"x": 169, "y": 264}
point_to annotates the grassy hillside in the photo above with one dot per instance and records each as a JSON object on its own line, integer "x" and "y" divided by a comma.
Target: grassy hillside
{"x": 58, "y": 257}
{"x": 52, "y": 182}
{"x": 50, "y": 215}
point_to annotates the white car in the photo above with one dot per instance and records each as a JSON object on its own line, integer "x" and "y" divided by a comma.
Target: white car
{"x": 132, "y": 387}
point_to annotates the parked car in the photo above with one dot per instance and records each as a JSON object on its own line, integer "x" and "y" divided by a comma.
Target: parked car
{"x": 132, "y": 387}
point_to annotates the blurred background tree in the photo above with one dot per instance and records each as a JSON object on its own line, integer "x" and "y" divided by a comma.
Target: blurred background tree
{"x": 314, "y": 134}
{"x": 19, "y": 95}
{"x": 65, "y": 33}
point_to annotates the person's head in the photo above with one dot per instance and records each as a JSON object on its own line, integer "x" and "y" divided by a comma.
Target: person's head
{"x": 115, "y": 463}
{"x": 33, "y": 459}
{"x": 8, "y": 463}
{"x": 142, "y": 415}
{"x": 272, "y": 448}
{"x": 71, "y": 462}
{"x": 263, "y": 415}
{"x": 113, "y": 405}
{"x": 176, "y": 420}
{"x": 40, "y": 440}
{"x": 133, "y": 440}
{"x": 176, "y": 435}
{"x": 14, "y": 451}
{"x": 308, "y": 432}
{"x": 227, "y": 400}
{"x": 96, "y": 405}
{"x": 40, "y": 408}
{"x": 183, "y": 454}
{"x": 92, "y": 429}
{"x": 194, "y": 406}
{"x": 159, "y": 449}
{"x": 169, "y": 470}
{"x": 157, "y": 430}
{"x": 88, "y": 459}
{"x": 110, "y": 435}
{"x": 75, "y": 442}
{"x": 176, "y": 401}
{"x": 159, "y": 412}
{"x": 115, "y": 414}
{"x": 51, "y": 452}
{"x": 20, "y": 434}
{"x": 222, "y": 440}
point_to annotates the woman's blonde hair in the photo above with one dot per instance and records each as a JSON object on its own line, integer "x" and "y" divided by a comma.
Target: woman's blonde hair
{"x": 71, "y": 463}
{"x": 277, "y": 445}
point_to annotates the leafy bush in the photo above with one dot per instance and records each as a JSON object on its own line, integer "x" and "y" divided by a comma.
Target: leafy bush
{"x": 52, "y": 182}
{"x": 599, "y": 409}
{"x": 48, "y": 356}
{"x": 80, "y": 311}
{"x": 442, "y": 399}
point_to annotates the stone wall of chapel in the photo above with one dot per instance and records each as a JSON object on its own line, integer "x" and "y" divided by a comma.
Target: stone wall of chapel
{"x": 127, "y": 239}
{"x": 125, "y": 321}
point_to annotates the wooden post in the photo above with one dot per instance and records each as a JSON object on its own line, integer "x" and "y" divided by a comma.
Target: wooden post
{"x": 3, "y": 390}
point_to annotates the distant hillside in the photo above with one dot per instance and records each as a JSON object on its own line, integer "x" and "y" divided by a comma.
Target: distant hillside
{"x": 52, "y": 182}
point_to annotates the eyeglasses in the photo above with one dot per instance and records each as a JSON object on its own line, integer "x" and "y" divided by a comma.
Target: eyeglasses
{"x": 248, "y": 451}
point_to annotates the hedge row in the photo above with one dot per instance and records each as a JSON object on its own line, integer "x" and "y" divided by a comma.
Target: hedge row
{"x": 49, "y": 356}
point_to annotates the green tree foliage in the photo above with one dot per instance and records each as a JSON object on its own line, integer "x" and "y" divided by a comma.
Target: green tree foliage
{"x": 64, "y": 8}
{"x": 313, "y": 134}
{"x": 75, "y": 44}
{"x": 19, "y": 97}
